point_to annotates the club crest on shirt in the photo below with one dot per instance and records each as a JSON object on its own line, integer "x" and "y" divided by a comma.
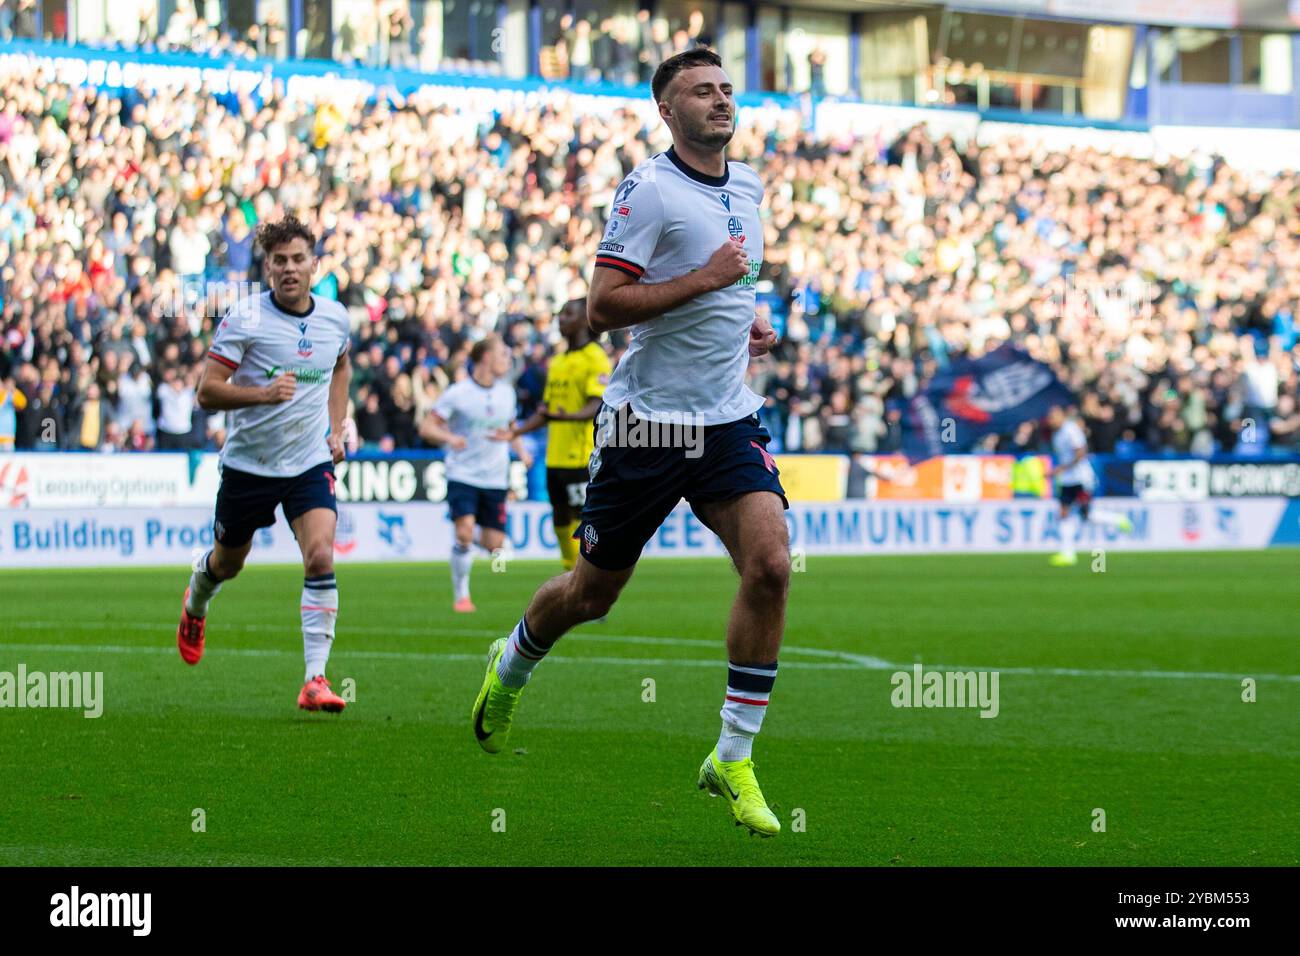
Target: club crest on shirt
{"x": 735, "y": 228}
{"x": 617, "y": 222}
{"x": 304, "y": 343}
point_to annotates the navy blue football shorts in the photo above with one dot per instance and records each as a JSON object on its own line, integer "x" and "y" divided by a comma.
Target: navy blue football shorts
{"x": 487, "y": 505}
{"x": 1075, "y": 495}
{"x": 247, "y": 502}
{"x": 635, "y": 486}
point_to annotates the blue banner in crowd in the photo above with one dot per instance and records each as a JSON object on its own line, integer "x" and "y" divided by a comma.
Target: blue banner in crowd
{"x": 973, "y": 398}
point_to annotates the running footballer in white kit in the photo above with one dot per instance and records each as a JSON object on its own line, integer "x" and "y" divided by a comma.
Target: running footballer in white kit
{"x": 1075, "y": 482}
{"x": 677, "y": 264}
{"x": 473, "y": 419}
{"x": 279, "y": 367}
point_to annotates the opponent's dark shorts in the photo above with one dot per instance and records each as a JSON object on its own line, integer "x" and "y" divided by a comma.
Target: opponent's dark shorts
{"x": 1071, "y": 495}
{"x": 247, "y": 502}
{"x": 633, "y": 489}
{"x": 487, "y": 505}
{"x": 567, "y": 489}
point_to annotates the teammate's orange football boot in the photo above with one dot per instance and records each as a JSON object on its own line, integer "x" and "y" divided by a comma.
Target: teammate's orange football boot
{"x": 189, "y": 633}
{"x": 464, "y": 606}
{"x": 316, "y": 695}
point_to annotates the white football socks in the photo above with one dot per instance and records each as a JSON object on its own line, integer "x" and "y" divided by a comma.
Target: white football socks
{"x": 1069, "y": 530}
{"x": 1109, "y": 519}
{"x": 203, "y": 587}
{"x": 748, "y": 688}
{"x": 523, "y": 652}
{"x": 462, "y": 559}
{"x": 320, "y": 605}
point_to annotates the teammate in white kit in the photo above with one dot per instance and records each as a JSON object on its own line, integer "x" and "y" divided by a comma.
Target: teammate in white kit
{"x": 279, "y": 366}
{"x": 677, "y": 264}
{"x": 1075, "y": 481}
{"x": 473, "y": 419}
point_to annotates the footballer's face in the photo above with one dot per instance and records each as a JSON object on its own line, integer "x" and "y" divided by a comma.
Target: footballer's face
{"x": 289, "y": 268}
{"x": 1055, "y": 417}
{"x": 700, "y": 106}
{"x": 498, "y": 360}
{"x": 573, "y": 318}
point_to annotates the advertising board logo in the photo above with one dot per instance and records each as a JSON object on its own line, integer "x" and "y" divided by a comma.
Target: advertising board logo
{"x": 1226, "y": 521}
{"x": 14, "y": 483}
{"x": 345, "y": 533}
{"x": 392, "y": 531}
{"x": 1191, "y": 524}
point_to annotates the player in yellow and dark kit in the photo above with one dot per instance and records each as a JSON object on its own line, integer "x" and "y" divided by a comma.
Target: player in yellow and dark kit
{"x": 575, "y": 382}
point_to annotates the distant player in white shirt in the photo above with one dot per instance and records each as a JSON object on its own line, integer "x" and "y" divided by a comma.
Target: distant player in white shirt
{"x": 1075, "y": 481}
{"x": 677, "y": 264}
{"x": 279, "y": 368}
{"x": 473, "y": 419}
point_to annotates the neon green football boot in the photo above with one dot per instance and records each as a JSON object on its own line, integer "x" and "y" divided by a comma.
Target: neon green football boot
{"x": 734, "y": 781}
{"x": 494, "y": 708}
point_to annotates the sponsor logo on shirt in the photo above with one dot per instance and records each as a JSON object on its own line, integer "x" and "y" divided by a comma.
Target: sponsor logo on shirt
{"x": 304, "y": 374}
{"x": 611, "y": 247}
{"x": 748, "y": 280}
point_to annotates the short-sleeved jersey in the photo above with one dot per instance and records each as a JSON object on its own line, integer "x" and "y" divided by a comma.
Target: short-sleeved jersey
{"x": 572, "y": 379}
{"x": 666, "y": 220}
{"x": 473, "y": 412}
{"x": 1066, "y": 442}
{"x": 261, "y": 341}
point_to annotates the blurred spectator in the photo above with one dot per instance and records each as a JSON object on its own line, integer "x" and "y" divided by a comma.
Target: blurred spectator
{"x": 87, "y": 421}
{"x": 372, "y": 423}
{"x": 1162, "y": 291}
{"x": 24, "y": 22}
{"x": 176, "y": 409}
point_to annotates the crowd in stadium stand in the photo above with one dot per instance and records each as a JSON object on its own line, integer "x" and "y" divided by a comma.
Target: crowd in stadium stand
{"x": 616, "y": 49}
{"x": 1164, "y": 294}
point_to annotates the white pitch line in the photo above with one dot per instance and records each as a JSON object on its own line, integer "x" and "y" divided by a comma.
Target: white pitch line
{"x": 407, "y": 656}
{"x": 840, "y": 660}
{"x": 872, "y": 663}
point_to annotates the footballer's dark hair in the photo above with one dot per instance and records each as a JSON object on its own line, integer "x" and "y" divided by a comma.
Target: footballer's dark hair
{"x": 481, "y": 348}
{"x": 669, "y": 68}
{"x": 272, "y": 235}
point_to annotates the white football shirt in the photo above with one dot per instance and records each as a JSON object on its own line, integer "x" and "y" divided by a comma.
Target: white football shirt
{"x": 1067, "y": 441}
{"x": 472, "y": 412}
{"x": 260, "y": 342}
{"x": 666, "y": 220}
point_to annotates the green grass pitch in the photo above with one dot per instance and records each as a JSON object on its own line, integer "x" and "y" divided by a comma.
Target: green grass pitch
{"x": 1119, "y": 691}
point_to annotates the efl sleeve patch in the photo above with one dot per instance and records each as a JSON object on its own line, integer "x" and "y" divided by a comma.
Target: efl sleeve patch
{"x": 230, "y": 341}
{"x": 633, "y": 228}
